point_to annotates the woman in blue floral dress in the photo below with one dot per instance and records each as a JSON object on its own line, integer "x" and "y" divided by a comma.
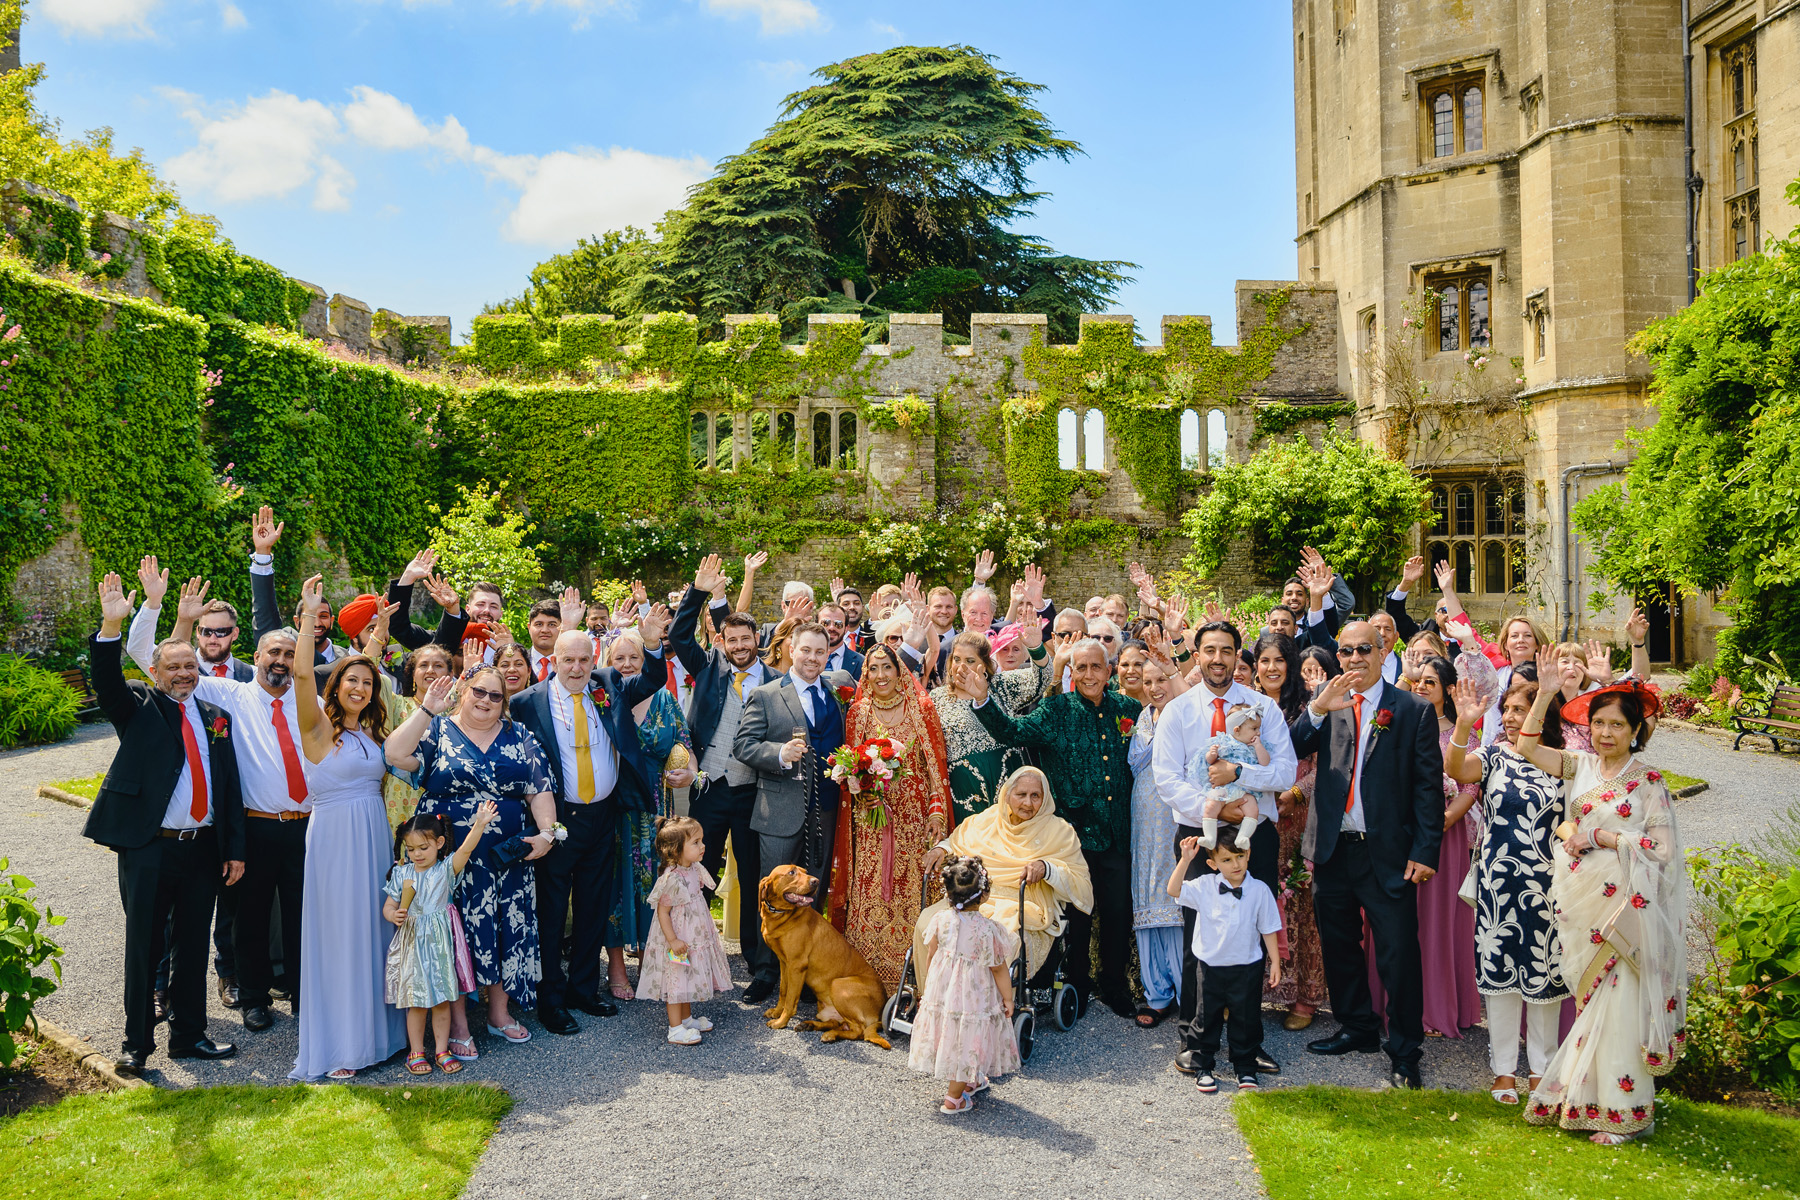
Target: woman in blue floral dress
{"x": 660, "y": 729}
{"x": 460, "y": 761}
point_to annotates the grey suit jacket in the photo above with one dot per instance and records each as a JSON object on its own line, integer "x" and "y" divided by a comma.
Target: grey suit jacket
{"x": 771, "y": 714}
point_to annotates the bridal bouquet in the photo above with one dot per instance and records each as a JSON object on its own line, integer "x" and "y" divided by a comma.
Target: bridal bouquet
{"x": 867, "y": 770}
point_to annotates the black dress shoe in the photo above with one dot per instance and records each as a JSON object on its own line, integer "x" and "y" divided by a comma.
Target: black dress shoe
{"x": 596, "y": 1006}
{"x": 204, "y": 1048}
{"x": 1186, "y": 1063}
{"x": 557, "y": 1020}
{"x": 228, "y": 991}
{"x": 1344, "y": 1042}
{"x": 1266, "y": 1065}
{"x": 1406, "y": 1075}
{"x": 759, "y": 990}
{"x": 257, "y": 1018}
{"x": 131, "y": 1062}
{"x": 161, "y": 1001}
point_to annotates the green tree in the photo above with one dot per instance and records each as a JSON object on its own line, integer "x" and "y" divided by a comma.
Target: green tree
{"x": 480, "y": 541}
{"x": 1712, "y": 498}
{"x": 586, "y": 279}
{"x": 894, "y": 185}
{"x": 1347, "y": 498}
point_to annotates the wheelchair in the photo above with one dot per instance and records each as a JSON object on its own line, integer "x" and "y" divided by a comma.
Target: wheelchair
{"x": 1045, "y": 994}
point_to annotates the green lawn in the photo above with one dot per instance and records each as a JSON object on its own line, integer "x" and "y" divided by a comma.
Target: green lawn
{"x": 1675, "y": 782}
{"x": 247, "y": 1143}
{"x": 1333, "y": 1142}
{"x": 87, "y": 788}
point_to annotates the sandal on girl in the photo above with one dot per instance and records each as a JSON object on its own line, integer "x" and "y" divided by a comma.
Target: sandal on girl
{"x": 418, "y": 1064}
{"x": 980, "y": 1085}
{"x": 341, "y": 1074}
{"x": 703, "y": 1024}
{"x": 514, "y": 1032}
{"x": 1505, "y": 1095}
{"x": 955, "y": 1106}
{"x": 463, "y": 1049}
{"x": 447, "y": 1063}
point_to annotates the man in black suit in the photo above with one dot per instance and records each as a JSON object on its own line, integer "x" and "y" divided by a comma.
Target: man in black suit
{"x": 582, "y": 718}
{"x": 1372, "y": 833}
{"x": 170, "y": 807}
{"x": 214, "y": 636}
{"x": 450, "y": 624}
{"x": 265, "y": 610}
{"x": 840, "y": 654}
{"x": 724, "y": 677}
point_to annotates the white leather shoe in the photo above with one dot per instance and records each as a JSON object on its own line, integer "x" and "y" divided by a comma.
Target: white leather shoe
{"x": 700, "y": 1023}
{"x": 683, "y": 1035}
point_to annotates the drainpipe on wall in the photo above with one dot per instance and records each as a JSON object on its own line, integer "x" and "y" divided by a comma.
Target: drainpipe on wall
{"x": 1690, "y": 181}
{"x": 1568, "y": 539}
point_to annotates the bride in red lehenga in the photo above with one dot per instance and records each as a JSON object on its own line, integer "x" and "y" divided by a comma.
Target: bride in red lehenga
{"x": 875, "y": 876}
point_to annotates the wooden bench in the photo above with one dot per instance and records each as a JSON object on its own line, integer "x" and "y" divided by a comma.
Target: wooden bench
{"x": 1779, "y": 723}
{"x": 77, "y": 680}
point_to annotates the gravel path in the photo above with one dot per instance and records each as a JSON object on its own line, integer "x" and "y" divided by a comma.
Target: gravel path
{"x": 753, "y": 1112}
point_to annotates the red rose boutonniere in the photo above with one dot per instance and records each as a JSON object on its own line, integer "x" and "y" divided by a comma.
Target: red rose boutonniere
{"x": 601, "y": 700}
{"x": 220, "y": 728}
{"x": 1126, "y": 725}
{"x": 1384, "y": 718}
{"x": 845, "y": 694}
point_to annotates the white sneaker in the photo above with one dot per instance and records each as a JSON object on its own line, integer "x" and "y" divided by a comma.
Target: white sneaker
{"x": 699, "y": 1023}
{"x": 683, "y": 1035}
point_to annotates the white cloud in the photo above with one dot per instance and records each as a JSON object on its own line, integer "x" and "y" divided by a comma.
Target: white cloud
{"x": 130, "y": 17}
{"x": 275, "y": 145}
{"x": 777, "y": 16}
{"x": 232, "y": 17}
{"x": 571, "y": 194}
{"x": 266, "y": 148}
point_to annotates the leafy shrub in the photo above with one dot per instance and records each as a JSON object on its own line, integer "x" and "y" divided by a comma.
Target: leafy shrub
{"x": 23, "y": 949}
{"x": 1753, "y": 902}
{"x": 35, "y": 705}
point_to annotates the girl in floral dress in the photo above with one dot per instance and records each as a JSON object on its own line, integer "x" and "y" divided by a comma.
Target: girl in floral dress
{"x": 684, "y": 960}
{"x": 964, "y": 1033}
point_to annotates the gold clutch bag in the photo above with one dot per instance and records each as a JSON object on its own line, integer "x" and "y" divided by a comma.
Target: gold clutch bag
{"x": 679, "y": 758}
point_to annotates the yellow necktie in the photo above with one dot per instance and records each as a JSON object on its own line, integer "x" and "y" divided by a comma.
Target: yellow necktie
{"x": 584, "y": 760}
{"x": 737, "y": 685}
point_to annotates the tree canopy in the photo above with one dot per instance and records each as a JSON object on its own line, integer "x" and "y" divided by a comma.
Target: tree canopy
{"x": 893, "y": 185}
{"x": 1712, "y": 499}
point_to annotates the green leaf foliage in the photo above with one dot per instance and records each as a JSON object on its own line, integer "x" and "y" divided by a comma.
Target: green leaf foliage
{"x": 24, "y": 948}
{"x": 1712, "y": 498}
{"x": 1346, "y": 497}
{"x": 35, "y": 704}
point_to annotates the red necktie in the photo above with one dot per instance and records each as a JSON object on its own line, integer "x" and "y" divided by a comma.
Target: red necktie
{"x": 543, "y": 668}
{"x": 219, "y": 670}
{"x": 196, "y": 769}
{"x": 1218, "y": 714}
{"x": 290, "y": 759}
{"x": 1356, "y": 750}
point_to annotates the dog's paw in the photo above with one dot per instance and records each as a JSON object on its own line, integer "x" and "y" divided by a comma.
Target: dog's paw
{"x": 770, "y": 1014}
{"x": 878, "y": 1040}
{"x": 777, "y": 1023}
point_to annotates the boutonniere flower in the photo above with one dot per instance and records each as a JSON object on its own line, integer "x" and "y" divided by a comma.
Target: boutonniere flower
{"x": 845, "y": 693}
{"x": 1126, "y": 725}
{"x": 1384, "y": 718}
{"x": 601, "y": 699}
{"x": 220, "y": 728}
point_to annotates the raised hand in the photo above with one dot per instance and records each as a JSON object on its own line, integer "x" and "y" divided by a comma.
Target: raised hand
{"x": 378, "y": 628}
{"x": 1334, "y": 695}
{"x": 971, "y": 681}
{"x": 837, "y": 585}
{"x": 654, "y": 624}
{"x": 1412, "y": 572}
{"x": 639, "y": 596}
{"x": 154, "y": 582}
{"x": 437, "y": 697}
{"x": 1136, "y": 573}
{"x": 1317, "y": 577}
{"x": 1018, "y": 593}
{"x": 443, "y": 594}
{"x": 1547, "y": 667}
{"x": 1213, "y": 612}
{"x": 115, "y": 605}
{"x": 1468, "y": 701}
{"x": 1175, "y": 615}
{"x": 419, "y": 567}
{"x": 473, "y": 651}
{"x": 909, "y": 592}
{"x": 500, "y": 635}
{"x": 754, "y": 561}
{"x": 1637, "y": 627}
{"x": 801, "y": 610}
{"x": 984, "y": 566}
{"x": 1035, "y": 579}
{"x": 1599, "y": 661}
{"x": 570, "y": 608}
{"x": 1445, "y": 575}
{"x": 192, "y": 600}
{"x": 708, "y": 577}
{"x": 312, "y": 597}
{"x": 265, "y": 531}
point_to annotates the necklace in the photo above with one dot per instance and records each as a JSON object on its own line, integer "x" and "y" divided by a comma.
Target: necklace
{"x": 898, "y": 701}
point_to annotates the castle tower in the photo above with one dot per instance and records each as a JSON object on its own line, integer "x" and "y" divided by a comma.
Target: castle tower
{"x": 1507, "y": 174}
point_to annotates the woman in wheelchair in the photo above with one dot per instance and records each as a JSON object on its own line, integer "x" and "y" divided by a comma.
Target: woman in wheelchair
{"x": 1021, "y": 840}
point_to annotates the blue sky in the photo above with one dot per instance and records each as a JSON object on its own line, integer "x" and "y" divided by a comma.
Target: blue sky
{"x": 421, "y": 155}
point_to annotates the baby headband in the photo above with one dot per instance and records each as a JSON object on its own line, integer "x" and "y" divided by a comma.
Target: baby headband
{"x": 1235, "y": 719}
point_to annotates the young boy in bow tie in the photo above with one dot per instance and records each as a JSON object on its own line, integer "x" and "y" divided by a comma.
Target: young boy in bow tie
{"x": 1235, "y": 922}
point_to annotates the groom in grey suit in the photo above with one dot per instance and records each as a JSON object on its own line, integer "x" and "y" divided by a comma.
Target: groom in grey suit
{"x": 789, "y": 729}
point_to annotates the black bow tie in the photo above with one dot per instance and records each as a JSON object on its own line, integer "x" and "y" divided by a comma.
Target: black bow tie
{"x": 1237, "y": 892}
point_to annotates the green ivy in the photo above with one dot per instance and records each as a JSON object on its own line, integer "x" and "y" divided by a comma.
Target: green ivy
{"x": 1273, "y": 418}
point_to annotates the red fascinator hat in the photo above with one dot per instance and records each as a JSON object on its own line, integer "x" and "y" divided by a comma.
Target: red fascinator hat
{"x": 1650, "y": 698}
{"x": 477, "y": 631}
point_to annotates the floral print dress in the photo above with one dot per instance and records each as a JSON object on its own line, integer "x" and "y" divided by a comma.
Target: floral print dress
{"x": 962, "y": 1033}
{"x": 1517, "y": 951}
{"x": 499, "y": 907}
{"x": 706, "y": 970}
{"x": 631, "y": 916}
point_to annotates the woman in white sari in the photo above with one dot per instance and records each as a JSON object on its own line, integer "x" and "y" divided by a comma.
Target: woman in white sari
{"x": 1620, "y": 899}
{"x": 1020, "y": 838}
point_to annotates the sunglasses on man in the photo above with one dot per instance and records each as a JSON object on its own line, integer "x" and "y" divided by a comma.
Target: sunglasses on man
{"x": 225, "y": 631}
{"x": 1363, "y": 651}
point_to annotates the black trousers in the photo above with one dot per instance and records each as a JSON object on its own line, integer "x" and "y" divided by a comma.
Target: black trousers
{"x": 1265, "y": 863}
{"x": 274, "y": 865}
{"x": 1110, "y": 871}
{"x": 1237, "y": 990}
{"x": 169, "y": 883}
{"x": 724, "y": 811}
{"x": 582, "y": 869}
{"x": 1344, "y": 891}
{"x": 224, "y": 940}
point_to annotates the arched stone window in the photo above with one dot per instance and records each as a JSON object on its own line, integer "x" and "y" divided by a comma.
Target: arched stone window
{"x": 1067, "y": 432}
{"x": 1095, "y": 438}
{"x": 1193, "y": 448}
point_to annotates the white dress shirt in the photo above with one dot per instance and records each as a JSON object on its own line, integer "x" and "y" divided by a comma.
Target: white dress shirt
{"x": 1182, "y": 732}
{"x": 261, "y": 773}
{"x": 806, "y": 697}
{"x": 1390, "y": 667}
{"x": 835, "y": 660}
{"x": 602, "y": 754}
{"x": 539, "y": 663}
{"x": 180, "y": 812}
{"x": 1354, "y": 821}
{"x": 1228, "y": 930}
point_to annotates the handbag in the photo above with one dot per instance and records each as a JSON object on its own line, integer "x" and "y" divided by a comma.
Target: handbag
{"x": 1466, "y": 892}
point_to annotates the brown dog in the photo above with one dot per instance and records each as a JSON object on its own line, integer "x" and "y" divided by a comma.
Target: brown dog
{"x": 814, "y": 954}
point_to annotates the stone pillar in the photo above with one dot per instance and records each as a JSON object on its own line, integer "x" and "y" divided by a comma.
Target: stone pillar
{"x": 350, "y": 323}
{"x": 123, "y": 239}
{"x": 916, "y": 331}
{"x": 817, "y": 323}
{"x": 316, "y": 320}
{"x": 1007, "y": 333}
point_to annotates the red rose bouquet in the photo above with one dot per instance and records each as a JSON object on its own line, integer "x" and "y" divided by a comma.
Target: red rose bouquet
{"x": 867, "y": 770}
